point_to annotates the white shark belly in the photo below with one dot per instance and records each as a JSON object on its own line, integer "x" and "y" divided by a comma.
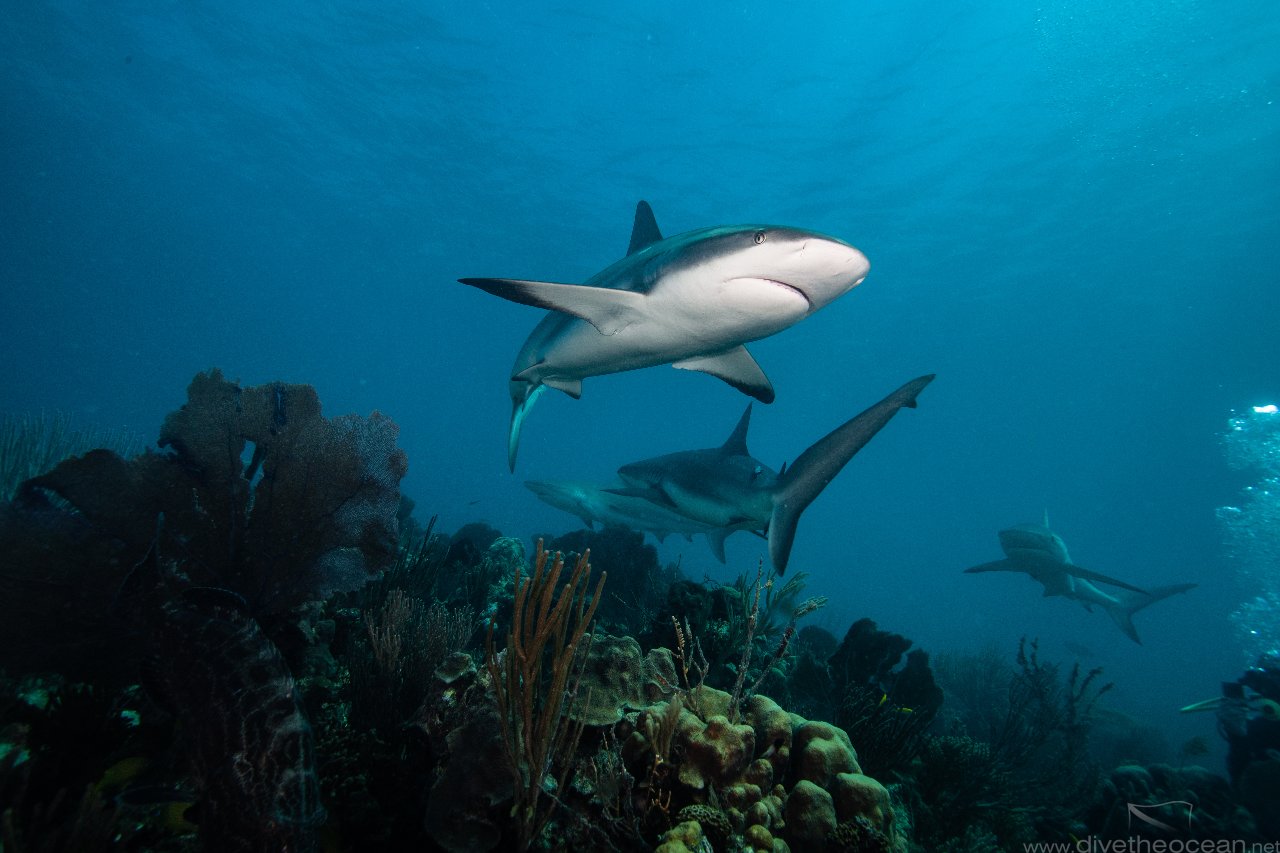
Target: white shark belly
{"x": 578, "y": 350}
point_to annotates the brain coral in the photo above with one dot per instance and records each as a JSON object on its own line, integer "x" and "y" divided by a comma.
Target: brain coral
{"x": 739, "y": 765}
{"x": 616, "y": 677}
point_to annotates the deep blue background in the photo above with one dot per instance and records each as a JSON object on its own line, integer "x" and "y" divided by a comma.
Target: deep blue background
{"x": 1070, "y": 209}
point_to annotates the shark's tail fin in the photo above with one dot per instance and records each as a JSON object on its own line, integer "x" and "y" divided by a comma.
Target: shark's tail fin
{"x": 1131, "y": 603}
{"x": 522, "y": 401}
{"x": 818, "y": 466}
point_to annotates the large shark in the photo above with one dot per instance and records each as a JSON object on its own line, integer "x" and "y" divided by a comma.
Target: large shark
{"x": 691, "y": 301}
{"x": 1035, "y": 550}
{"x": 596, "y": 504}
{"x": 728, "y": 489}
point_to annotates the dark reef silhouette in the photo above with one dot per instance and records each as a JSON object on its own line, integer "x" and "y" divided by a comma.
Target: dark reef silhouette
{"x": 243, "y": 640}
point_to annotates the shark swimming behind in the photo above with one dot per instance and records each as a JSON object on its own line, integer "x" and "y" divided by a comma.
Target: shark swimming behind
{"x": 728, "y": 489}
{"x": 599, "y": 505}
{"x": 1035, "y": 550}
{"x": 691, "y": 301}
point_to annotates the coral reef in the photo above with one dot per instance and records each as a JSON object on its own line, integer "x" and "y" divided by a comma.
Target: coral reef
{"x": 532, "y": 677}
{"x": 615, "y": 677}
{"x": 250, "y": 744}
{"x": 30, "y": 446}
{"x": 773, "y": 774}
{"x": 1013, "y": 759}
{"x": 310, "y": 513}
{"x": 1190, "y": 802}
{"x": 245, "y": 641}
{"x": 639, "y": 583}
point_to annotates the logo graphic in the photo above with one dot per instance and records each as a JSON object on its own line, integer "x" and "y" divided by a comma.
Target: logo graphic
{"x": 1143, "y": 812}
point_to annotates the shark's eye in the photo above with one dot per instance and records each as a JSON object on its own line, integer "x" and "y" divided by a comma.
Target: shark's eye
{"x": 758, "y": 237}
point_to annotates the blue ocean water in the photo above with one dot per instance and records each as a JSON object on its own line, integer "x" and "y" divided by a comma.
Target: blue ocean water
{"x": 1070, "y": 210}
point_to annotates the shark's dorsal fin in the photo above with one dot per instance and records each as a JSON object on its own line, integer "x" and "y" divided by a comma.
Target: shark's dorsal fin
{"x": 736, "y": 443}
{"x": 644, "y": 233}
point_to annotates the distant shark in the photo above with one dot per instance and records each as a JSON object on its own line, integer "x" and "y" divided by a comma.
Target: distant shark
{"x": 1035, "y": 550}
{"x": 596, "y": 504}
{"x": 728, "y": 489}
{"x": 691, "y": 300}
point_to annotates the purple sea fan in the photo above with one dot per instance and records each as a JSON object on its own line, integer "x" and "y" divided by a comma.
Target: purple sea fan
{"x": 260, "y": 494}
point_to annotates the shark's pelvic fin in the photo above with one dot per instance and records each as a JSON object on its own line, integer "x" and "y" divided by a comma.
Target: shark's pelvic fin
{"x": 644, "y": 233}
{"x": 572, "y": 387}
{"x": 607, "y": 309}
{"x": 520, "y": 411}
{"x": 818, "y": 465}
{"x": 736, "y": 367}
{"x": 715, "y": 538}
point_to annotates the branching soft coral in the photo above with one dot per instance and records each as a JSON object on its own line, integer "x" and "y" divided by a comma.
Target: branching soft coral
{"x": 259, "y": 494}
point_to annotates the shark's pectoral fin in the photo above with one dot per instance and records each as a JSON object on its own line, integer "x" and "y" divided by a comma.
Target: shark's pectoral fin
{"x": 715, "y": 538}
{"x": 1099, "y": 578}
{"x": 607, "y": 309}
{"x": 996, "y": 566}
{"x": 735, "y": 367}
{"x": 652, "y": 495}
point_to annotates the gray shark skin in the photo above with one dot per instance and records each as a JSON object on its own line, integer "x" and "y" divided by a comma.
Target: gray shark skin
{"x": 727, "y": 488}
{"x": 596, "y": 504}
{"x": 1035, "y": 550}
{"x": 691, "y": 301}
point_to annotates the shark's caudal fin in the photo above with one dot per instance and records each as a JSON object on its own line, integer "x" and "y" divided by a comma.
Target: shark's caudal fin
{"x": 520, "y": 411}
{"x": 1122, "y": 613}
{"x": 818, "y": 466}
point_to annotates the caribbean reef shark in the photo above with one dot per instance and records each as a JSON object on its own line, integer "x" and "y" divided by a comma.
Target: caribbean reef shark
{"x": 1037, "y": 551}
{"x": 728, "y": 489}
{"x": 691, "y": 301}
{"x": 596, "y": 504}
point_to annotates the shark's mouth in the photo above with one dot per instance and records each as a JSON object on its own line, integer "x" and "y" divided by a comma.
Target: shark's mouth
{"x": 791, "y": 287}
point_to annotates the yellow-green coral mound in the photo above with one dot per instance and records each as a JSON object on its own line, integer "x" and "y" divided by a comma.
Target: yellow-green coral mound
{"x": 780, "y": 781}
